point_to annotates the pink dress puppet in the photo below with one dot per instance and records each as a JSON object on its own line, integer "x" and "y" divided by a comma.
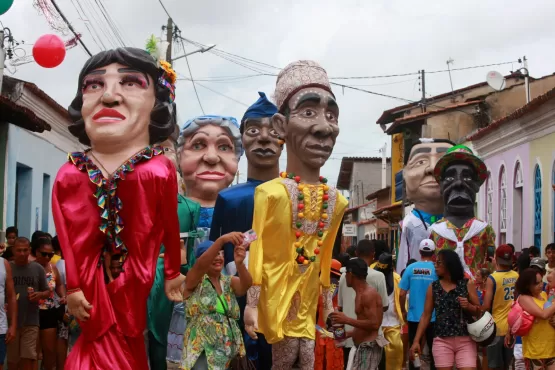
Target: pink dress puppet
{"x": 118, "y": 201}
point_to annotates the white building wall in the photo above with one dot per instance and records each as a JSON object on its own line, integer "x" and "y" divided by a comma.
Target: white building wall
{"x": 40, "y": 158}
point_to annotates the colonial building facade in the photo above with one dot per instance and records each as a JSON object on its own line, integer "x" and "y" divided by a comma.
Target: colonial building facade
{"x": 518, "y": 196}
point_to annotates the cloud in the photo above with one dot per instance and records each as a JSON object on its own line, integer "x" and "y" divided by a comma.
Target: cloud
{"x": 348, "y": 38}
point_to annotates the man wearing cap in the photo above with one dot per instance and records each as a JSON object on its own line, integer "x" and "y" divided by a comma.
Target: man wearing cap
{"x": 416, "y": 280}
{"x": 368, "y": 304}
{"x": 235, "y": 205}
{"x": 498, "y": 299}
{"x": 423, "y": 191}
{"x": 460, "y": 174}
{"x": 296, "y": 218}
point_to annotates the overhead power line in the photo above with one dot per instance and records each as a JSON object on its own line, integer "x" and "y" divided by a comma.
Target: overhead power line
{"x": 71, "y": 28}
{"x": 191, "y": 74}
{"x": 225, "y": 96}
{"x": 472, "y": 67}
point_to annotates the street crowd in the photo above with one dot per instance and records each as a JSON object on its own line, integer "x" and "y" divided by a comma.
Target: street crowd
{"x": 428, "y": 304}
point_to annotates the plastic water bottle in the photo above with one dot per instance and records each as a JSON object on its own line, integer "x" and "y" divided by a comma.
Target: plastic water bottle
{"x": 417, "y": 364}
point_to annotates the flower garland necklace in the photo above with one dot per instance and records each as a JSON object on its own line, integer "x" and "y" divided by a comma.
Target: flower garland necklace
{"x": 302, "y": 256}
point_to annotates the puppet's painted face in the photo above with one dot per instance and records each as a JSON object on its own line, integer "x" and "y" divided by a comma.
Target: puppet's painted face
{"x": 418, "y": 173}
{"x": 208, "y": 163}
{"x": 459, "y": 185}
{"x": 312, "y": 126}
{"x": 260, "y": 141}
{"x": 117, "y": 102}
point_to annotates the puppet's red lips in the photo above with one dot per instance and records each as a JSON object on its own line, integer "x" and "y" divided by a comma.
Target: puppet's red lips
{"x": 108, "y": 115}
{"x": 211, "y": 175}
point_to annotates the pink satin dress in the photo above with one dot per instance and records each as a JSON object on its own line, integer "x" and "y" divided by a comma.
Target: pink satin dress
{"x": 133, "y": 212}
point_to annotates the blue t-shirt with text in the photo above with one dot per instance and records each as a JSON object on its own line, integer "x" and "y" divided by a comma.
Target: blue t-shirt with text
{"x": 416, "y": 280}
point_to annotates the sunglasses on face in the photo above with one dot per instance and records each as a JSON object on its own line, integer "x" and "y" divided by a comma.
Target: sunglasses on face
{"x": 47, "y": 254}
{"x": 439, "y": 263}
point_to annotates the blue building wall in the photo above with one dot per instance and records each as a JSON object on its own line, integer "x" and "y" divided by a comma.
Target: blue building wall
{"x": 35, "y": 163}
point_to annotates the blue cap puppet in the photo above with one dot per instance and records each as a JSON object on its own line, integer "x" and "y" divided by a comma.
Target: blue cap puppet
{"x": 262, "y": 108}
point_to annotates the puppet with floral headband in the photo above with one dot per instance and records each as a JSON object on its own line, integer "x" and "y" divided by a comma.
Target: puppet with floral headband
{"x": 119, "y": 197}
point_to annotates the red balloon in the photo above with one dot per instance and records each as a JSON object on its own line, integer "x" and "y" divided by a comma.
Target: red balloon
{"x": 49, "y": 51}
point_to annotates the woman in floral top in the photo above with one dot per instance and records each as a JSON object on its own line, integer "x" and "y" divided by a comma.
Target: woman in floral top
{"x": 213, "y": 338}
{"x": 455, "y": 301}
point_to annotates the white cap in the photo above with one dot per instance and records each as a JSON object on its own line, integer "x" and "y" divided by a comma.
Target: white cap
{"x": 427, "y": 245}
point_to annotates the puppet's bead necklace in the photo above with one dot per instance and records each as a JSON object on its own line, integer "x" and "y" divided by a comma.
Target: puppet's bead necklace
{"x": 302, "y": 256}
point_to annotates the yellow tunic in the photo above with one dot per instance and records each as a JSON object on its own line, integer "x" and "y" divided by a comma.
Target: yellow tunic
{"x": 289, "y": 296}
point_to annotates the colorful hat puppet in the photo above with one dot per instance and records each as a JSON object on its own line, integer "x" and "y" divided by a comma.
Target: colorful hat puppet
{"x": 461, "y": 153}
{"x": 117, "y": 198}
{"x": 296, "y": 218}
{"x": 460, "y": 174}
{"x": 235, "y": 205}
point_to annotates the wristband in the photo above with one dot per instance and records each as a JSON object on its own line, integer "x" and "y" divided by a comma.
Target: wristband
{"x": 71, "y": 291}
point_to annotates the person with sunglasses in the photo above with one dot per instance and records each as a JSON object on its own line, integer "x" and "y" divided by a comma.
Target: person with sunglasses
{"x": 43, "y": 251}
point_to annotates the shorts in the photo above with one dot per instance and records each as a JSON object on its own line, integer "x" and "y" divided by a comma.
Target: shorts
{"x": 48, "y": 319}
{"x": 499, "y": 356}
{"x": 543, "y": 364}
{"x": 24, "y": 345}
{"x": 449, "y": 351}
{"x": 2, "y": 348}
{"x": 367, "y": 356}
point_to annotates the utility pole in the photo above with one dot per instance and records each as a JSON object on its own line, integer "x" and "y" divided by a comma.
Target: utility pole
{"x": 169, "y": 38}
{"x": 237, "y": 177}
{"x": 449, "y": 62}
{"x": 2, "y": 58}
{"x": 384, "y": 166}
{"x": 526, "y": 79}
{"x": 423, "y": 88}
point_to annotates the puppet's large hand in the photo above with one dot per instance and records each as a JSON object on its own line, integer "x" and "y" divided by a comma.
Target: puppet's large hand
{"x": 78, "y": 306}
{"x": 251, "y": 311}
{"x": 174, "y": 288}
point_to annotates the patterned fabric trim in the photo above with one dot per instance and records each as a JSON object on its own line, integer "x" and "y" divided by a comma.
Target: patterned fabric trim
{"x": 107, "y": 199}
{"x": 309, "y": 227}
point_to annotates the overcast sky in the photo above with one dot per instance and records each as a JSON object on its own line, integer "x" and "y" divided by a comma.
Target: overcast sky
{"x": 347, "y": 37}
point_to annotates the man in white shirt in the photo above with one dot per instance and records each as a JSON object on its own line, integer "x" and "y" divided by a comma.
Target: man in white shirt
{"x": 346, "y": 296}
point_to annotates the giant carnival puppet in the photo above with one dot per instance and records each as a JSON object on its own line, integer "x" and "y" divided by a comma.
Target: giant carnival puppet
{"x": 235, "y": 205}
{"x": 159, "y": 307}
{"x": 296, "y": 218}
{"x": 209, "y": 148}
{"x": 423, "y": 191}
{"x": 460, "y": 174}
{"x": 118, "y": 198}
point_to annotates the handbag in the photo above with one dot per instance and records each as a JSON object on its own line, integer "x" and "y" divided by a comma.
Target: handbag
{"x": 520, "y": 321}
{"x": 238, "y": 362}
